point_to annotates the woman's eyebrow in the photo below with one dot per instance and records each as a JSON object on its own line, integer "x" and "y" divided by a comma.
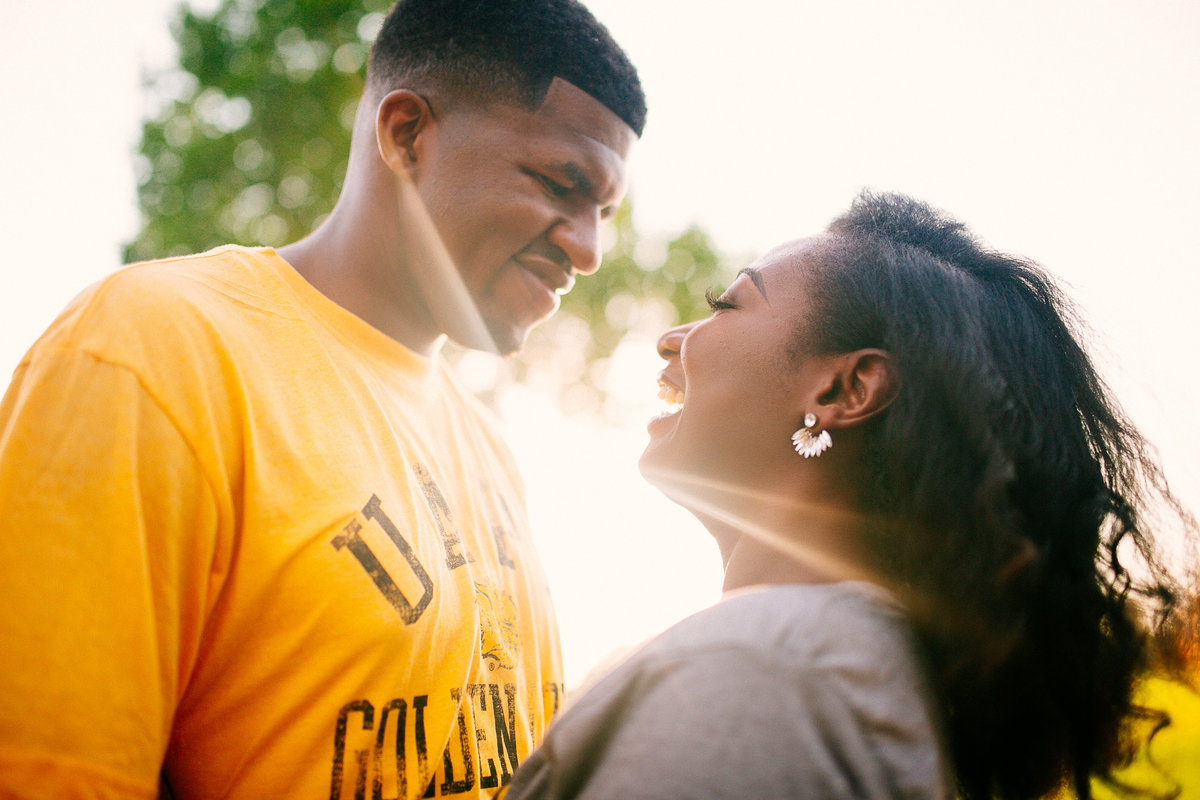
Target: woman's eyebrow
{"x": 753, "y": 275}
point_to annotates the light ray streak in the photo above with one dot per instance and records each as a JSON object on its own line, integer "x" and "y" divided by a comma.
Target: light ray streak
{"x": 718, "y": 500}
{"x": 433, "y": 269}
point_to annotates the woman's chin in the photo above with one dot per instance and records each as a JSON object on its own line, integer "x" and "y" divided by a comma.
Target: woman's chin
{"x": 664, "y": 473}
{"x": 662, "y": 430}
{"x": 652, "y": 464}
{"x": 663, "y": 422}
{"x": 646, "y": 463}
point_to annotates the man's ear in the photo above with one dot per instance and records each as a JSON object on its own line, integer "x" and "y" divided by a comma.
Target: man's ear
{"x": 859, "y": 386}
{"x": 400, "y": 119}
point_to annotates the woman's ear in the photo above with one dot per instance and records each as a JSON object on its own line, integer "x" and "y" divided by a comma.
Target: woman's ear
{"x": 402, "y": 116}
{"x": 862, "y": 384}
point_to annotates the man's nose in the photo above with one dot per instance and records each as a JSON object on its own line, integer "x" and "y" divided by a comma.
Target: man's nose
{"x": 578, "y": 236}
{"x": 671, "y": 342}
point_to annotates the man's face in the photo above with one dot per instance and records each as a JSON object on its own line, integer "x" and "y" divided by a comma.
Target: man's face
{"x": 518, "y": 196}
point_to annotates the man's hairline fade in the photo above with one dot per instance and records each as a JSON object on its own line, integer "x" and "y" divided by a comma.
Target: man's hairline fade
{"x": 483, "y": 84}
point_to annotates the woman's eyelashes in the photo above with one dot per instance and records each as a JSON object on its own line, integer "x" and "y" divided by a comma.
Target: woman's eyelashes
{"x": 716, "y": 303}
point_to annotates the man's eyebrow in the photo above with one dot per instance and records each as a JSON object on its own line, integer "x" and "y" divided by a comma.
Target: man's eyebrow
{"x": 576, "y": 175}
{"x": 585, "y": 183}
{"x": 754, "y": 275}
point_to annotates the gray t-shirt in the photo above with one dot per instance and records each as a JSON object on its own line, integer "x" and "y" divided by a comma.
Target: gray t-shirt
{"x": 788, "y": 691}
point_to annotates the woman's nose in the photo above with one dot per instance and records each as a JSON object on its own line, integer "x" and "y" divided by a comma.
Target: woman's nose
{"x": 670, "y": 342}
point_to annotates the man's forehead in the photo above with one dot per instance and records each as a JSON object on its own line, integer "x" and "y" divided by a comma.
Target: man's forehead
{"x": 567, "y": 105}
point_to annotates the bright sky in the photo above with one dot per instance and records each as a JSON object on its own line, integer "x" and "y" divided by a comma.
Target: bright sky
{"x": 1065, "y": 131}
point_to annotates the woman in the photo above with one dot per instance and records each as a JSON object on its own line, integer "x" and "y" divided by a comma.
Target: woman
{"x": 926, "y": 503}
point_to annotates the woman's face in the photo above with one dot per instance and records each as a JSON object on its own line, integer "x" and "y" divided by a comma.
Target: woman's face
{"x": 734, "y": 395}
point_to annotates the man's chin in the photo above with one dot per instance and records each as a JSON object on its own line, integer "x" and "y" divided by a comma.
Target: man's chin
{"x": 509, "y": 340}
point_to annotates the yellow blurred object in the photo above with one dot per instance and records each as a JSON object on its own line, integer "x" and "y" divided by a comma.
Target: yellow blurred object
{"x": 1172, "y": 759}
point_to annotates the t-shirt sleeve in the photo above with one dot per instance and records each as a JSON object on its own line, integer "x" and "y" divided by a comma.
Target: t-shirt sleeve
{"x": 725, "y": 724}
{"x": 106, "y": 552}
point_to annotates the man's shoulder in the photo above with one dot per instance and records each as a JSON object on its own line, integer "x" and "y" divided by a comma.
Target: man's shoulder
{"x": 156, "y": 316}
{"x": 163, "y": 297}
{"x": 188, "y": 279}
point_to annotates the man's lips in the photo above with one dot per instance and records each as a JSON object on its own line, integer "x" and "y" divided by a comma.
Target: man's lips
{"x": 549, "y": 272}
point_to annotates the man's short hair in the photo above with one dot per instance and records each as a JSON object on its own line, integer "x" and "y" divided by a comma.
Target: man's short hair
{"x": 509, "y": 50}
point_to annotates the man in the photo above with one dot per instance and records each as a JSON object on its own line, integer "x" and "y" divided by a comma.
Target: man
{"x": 254, "y": 536}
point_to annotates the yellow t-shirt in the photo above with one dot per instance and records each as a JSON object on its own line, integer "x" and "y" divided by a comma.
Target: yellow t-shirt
{"x": 248, "y": 540}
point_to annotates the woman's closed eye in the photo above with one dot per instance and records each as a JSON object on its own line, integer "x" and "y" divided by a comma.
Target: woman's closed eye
{"x": 717, "y": 303}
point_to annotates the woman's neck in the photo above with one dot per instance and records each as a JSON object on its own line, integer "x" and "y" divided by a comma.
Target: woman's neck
{"x": 789, "y": 541}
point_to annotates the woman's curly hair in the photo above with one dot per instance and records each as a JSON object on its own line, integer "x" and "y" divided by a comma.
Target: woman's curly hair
{"x": 1011, "y": 493}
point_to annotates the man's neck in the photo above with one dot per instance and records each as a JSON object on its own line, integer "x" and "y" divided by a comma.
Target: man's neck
{"x": 366, "y": 274}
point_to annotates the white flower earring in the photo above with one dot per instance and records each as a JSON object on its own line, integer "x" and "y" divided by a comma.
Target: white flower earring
{"x": 807, "y": 442}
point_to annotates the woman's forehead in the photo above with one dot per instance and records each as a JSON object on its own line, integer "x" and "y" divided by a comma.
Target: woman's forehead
{"x": 790, "y": 262}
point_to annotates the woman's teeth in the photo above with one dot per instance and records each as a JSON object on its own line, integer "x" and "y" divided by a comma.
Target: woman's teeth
{"x": 670, "y": 395}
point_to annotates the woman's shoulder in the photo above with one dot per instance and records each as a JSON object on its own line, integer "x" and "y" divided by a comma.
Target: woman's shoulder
{"x": 812, "y": 690}
{"x": 793, "y": 621}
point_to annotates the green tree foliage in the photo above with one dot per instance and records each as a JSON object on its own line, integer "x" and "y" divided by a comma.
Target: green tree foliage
{"x": 246, "y": 141}
{"x": 249, "y": 136}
